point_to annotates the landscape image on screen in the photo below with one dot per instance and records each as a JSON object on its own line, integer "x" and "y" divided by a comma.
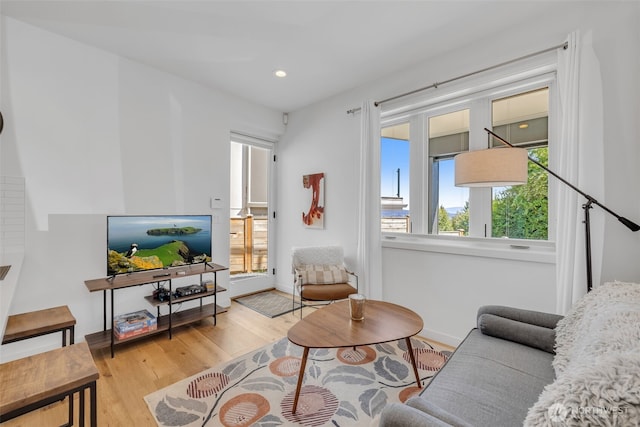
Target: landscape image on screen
{"x": 138, "y": 243}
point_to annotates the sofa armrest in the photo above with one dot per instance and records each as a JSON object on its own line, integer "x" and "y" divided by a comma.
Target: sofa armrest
{"x": 537, "y": 318}
{"x": 400, "y": 415}
{"x": 535, "y": 336}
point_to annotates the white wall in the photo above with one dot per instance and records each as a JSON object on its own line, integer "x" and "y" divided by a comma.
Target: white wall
{"x": 619, "y": 56}
{"x": 319, "y": 139}
{"x": 447, "y": 289}
{"x": 96, "y": 134}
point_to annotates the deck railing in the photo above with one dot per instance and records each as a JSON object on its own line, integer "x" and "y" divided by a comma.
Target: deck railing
{"x": 249, "y": 239}
{"x": 399, "y": 224}
{"x": 403, "y": 225}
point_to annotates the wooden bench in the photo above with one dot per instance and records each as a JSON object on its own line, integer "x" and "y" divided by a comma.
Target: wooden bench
{"x": 36, "y": 381}
{"x": 41, "y": 322}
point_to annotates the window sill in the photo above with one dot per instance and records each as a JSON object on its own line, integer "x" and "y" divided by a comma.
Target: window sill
{"x": 511, "y": 249}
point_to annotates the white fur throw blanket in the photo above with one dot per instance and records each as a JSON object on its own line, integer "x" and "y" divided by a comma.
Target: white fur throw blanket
{"x": 597, "y": 362}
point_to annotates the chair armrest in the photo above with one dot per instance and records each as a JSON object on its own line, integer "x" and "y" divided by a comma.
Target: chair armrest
{"x": 356, "y": 276}
{"x": 530, "y": 328}
{"x": 297, "y": 277}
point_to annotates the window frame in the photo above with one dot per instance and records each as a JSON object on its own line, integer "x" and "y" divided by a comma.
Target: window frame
{"x": 259, "y": 280}
{"x": 411, "y": 167}
{"x": 478, "y": 100}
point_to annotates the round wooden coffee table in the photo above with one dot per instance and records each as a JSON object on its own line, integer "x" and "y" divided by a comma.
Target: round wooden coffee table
{"x": 332, "y": 327}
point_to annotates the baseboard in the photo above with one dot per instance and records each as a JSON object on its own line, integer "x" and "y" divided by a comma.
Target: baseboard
{"x": 251, "y": 293}
{"x": 286, "y": 290}
{"x": 446, "y": 339}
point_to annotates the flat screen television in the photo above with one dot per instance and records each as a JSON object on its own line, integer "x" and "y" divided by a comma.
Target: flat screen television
{"x": 149, "y": 242}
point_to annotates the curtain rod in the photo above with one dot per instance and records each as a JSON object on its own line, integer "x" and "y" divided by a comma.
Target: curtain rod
{"x": 436, "y": 84}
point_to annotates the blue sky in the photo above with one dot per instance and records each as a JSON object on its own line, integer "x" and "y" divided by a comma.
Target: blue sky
{"x": 450, "y": 195}
{"x": 394, "y": 154}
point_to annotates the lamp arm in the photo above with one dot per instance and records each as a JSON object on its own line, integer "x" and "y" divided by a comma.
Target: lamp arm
{"x": 628, "y": 223}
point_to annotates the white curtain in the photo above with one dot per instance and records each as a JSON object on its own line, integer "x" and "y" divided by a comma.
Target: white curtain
{"x": 369, "y": 246}
{"x": 580, "y": 162}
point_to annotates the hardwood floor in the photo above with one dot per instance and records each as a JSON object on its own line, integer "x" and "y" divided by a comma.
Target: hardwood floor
{"x": 156, "y": 362}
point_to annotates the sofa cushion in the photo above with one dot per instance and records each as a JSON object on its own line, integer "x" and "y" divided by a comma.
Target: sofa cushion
{"x": 490, "y": 381}
{"x": 401, "y": 415}
{"x": 327, "y": 292}
{"x": 437, "y": 412}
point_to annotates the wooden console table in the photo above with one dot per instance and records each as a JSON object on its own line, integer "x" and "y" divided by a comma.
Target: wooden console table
{"x": 36, "y": 381}
{"x": 40, "y": 322}
{"x": 107, "y": 337}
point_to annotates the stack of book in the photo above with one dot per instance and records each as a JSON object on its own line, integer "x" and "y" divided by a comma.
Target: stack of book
{"x": 132, "y": 324}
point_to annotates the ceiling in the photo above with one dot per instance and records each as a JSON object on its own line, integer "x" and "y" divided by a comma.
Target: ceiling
{"x": 326, "y": 47}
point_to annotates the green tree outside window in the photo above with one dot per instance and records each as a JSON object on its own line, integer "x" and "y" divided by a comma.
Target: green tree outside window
{"x": 521, "y": 212}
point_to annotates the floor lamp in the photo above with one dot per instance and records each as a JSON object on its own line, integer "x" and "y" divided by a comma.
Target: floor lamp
{"x": 499, "y": 167}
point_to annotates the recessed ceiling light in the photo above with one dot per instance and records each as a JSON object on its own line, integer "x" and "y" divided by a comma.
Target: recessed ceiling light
{"x": 523, "y": 125}
{"x": 280, "y": 73}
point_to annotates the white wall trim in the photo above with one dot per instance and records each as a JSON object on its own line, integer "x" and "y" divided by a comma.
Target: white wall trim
{"x": 508, "y": 249}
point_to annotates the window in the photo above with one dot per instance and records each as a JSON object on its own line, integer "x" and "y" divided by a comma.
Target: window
{"x": 522, "y": 211}
{"x": 435, "y": 133}
{"x": 448, "y": 204}
{"x": 394, "y": 180}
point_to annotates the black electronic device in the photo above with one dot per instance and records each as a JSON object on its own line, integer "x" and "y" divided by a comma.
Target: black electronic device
{"x": 162, "y": 294}
{"x": 190, "y": 290}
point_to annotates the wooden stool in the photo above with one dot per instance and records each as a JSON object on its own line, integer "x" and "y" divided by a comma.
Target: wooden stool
{"x": 41, "y": 322}
{"x": 36, "y": 381}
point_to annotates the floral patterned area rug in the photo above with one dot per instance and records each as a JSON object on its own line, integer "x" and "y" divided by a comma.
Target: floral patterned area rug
{"x": 342, "y": 387}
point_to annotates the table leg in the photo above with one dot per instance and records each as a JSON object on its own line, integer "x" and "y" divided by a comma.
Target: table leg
{"x": 113, "y": 329}
{"x": 215, "y": 297}
{"x": 81, "y": 408}
{"x": 104, "y": 312}
{"x": 413, "y": 361}
{"x": 93, "y": 395}
{"x": 70, "y": 397}
{"x": 303, "y": 364}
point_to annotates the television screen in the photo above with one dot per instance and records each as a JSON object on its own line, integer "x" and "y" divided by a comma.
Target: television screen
{"x": 146, "y": 242}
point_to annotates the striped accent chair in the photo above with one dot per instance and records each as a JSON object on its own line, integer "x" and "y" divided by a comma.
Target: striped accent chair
{"x": 320, "y": 275}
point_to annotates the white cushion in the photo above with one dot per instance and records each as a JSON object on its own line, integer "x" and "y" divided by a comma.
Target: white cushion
{"x": 318, "y": 255}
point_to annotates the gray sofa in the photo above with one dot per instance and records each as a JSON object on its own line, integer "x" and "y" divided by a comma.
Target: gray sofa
{"x": 505, "y": 372}
{"x": 492, "y": 379}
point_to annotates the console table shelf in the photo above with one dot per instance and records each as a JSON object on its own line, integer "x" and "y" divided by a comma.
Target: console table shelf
{"x": 154, "y": 302}
{"x": 102, "y": 339}
{"x": 165, "y": 323}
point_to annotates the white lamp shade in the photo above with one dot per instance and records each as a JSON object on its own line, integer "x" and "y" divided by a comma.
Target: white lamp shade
{"x": 496, "y": 167}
